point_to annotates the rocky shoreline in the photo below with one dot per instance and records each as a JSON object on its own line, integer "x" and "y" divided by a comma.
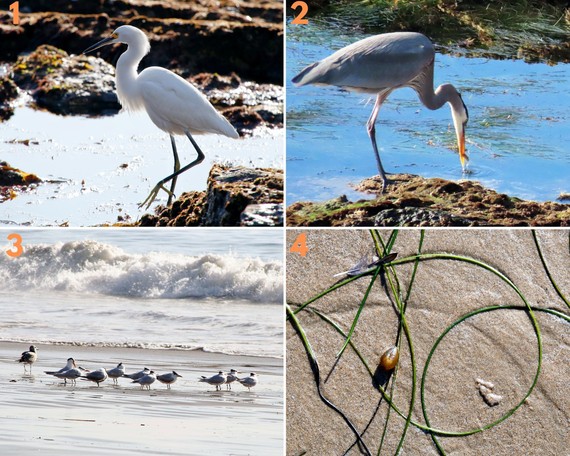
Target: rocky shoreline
{"x": 416, "y": 201}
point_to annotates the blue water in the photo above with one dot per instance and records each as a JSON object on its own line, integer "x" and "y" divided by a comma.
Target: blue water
{"x": 517, "y": 135}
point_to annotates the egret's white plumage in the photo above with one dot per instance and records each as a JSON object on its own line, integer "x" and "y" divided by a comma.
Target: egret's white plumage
{"x": 383, "y": 63}
{"x": 173, "y": 104}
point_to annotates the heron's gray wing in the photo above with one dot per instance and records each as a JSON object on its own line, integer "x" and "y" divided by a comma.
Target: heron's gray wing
{"x": 385, "y": 61}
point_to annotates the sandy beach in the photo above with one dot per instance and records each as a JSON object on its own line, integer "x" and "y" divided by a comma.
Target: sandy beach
{"x": 41, "y": 415}
{"x": 498, "y": 347}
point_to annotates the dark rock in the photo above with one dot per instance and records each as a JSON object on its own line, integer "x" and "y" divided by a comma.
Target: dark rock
{"x": 231, "y": 192}
{"x": 65, "y": 85}
{"x": 8, "y": 93}
{"x": 406, "y": 200}
{"x": 10, "y": 176}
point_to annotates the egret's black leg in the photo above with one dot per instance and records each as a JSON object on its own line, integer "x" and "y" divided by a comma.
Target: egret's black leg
{"x": 176, "y": 168}
{"x": 151, "y": 197}
{"x": 371, "y": 127}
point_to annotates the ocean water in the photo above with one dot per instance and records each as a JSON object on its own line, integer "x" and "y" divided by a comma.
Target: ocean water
{"x": 97, "y": 169}
{"x": 217, "y": 290}
{"x": 517, "y": 135}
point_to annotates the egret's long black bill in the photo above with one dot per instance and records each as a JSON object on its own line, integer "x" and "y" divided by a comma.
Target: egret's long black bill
{"x": 101, "y": 43}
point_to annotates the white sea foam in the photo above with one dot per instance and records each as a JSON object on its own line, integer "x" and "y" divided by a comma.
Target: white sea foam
{"x": 98, "y": 268}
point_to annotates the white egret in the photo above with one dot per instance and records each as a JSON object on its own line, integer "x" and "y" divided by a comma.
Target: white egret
{"x": 383, "y": 63}
{"x": 172, "y": 103}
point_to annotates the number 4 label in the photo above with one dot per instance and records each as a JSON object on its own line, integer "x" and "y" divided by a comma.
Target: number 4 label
{"x": 300, "y": 245}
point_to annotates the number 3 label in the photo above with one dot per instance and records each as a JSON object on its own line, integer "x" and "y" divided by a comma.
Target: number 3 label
{"x": 304, "y": 10}
{"x": 17, "y": 248}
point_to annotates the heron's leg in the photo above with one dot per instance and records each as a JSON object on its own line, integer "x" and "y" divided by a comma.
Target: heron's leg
{"x": 160, "y": 185}
{"x": 176, "y": 168}
{"x": 371, "y": 127}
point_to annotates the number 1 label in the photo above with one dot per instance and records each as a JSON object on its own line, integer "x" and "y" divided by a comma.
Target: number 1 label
{"x": 15, "y": 8}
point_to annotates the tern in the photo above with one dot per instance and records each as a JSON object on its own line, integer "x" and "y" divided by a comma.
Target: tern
{"x": 232, "y": 377}
{"x": 216, "y": 380}
{"x": 71, "y": 375}
{"x": 97, "y": 376}
{"x": 116, "y": 372}
{"x": 249, "y": 382}
{"x": 168, "y": 378}
{"x": 138, "y": 374}
{"x": 146, "y": 380}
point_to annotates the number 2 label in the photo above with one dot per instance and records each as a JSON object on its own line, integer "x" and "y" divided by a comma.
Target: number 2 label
{"x": 304, "y": 10}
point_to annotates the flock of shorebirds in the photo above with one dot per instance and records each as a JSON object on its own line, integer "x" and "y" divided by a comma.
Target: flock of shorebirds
{"x": 144, "y": 378}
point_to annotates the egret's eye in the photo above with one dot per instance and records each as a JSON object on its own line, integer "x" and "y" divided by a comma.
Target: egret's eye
{"x": 114, "y": 35}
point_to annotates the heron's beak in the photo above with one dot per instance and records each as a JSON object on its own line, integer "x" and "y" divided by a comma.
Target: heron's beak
{"x": 461, "y": 143}
{"x": 103, "y": 42}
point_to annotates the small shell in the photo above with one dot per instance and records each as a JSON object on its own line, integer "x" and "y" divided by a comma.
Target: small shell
{"x": 389, "y": 359}
{"x": 490, "y": 398}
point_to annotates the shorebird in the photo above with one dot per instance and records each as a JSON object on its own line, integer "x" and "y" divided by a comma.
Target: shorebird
{"x": 168, "y": 378}
{"x": 216, "y": 380}
{"x": 69, "y": 365}
{"x": 138, "y": 374}
{"x": 116, "y": 372}
{"x": 381, "y": 64}
{"x": 172, "y": 103}
{"x": 97, "y": 376}
{"x": 146, "y": 380}
{"x": 232, "y": 377}
{"x": 70, "y": 374}
{"x": 29, "y": 357}
{"x": 249, "y": 382}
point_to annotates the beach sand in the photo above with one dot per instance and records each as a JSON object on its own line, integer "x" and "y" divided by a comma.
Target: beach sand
{"x": 498, "y": 347}
{"x": 41, "y": 415}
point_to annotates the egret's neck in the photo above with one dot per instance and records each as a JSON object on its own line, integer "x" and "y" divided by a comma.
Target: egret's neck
{"x": 126, "y": 76}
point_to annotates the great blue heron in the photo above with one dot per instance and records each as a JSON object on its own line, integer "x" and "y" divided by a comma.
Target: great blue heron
{"x": 383, "y": 63}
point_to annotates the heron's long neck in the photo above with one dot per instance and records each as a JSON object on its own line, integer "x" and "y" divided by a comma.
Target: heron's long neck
{"x": 445, "y": 93}
{"x": 126, "y": 76}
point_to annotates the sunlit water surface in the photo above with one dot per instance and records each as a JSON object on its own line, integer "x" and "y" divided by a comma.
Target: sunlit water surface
{"x": 97, "y": 169}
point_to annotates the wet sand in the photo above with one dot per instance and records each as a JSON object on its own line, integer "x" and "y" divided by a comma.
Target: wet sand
{"x": 498, "y": 347}
{"x": 41, "y": 415}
